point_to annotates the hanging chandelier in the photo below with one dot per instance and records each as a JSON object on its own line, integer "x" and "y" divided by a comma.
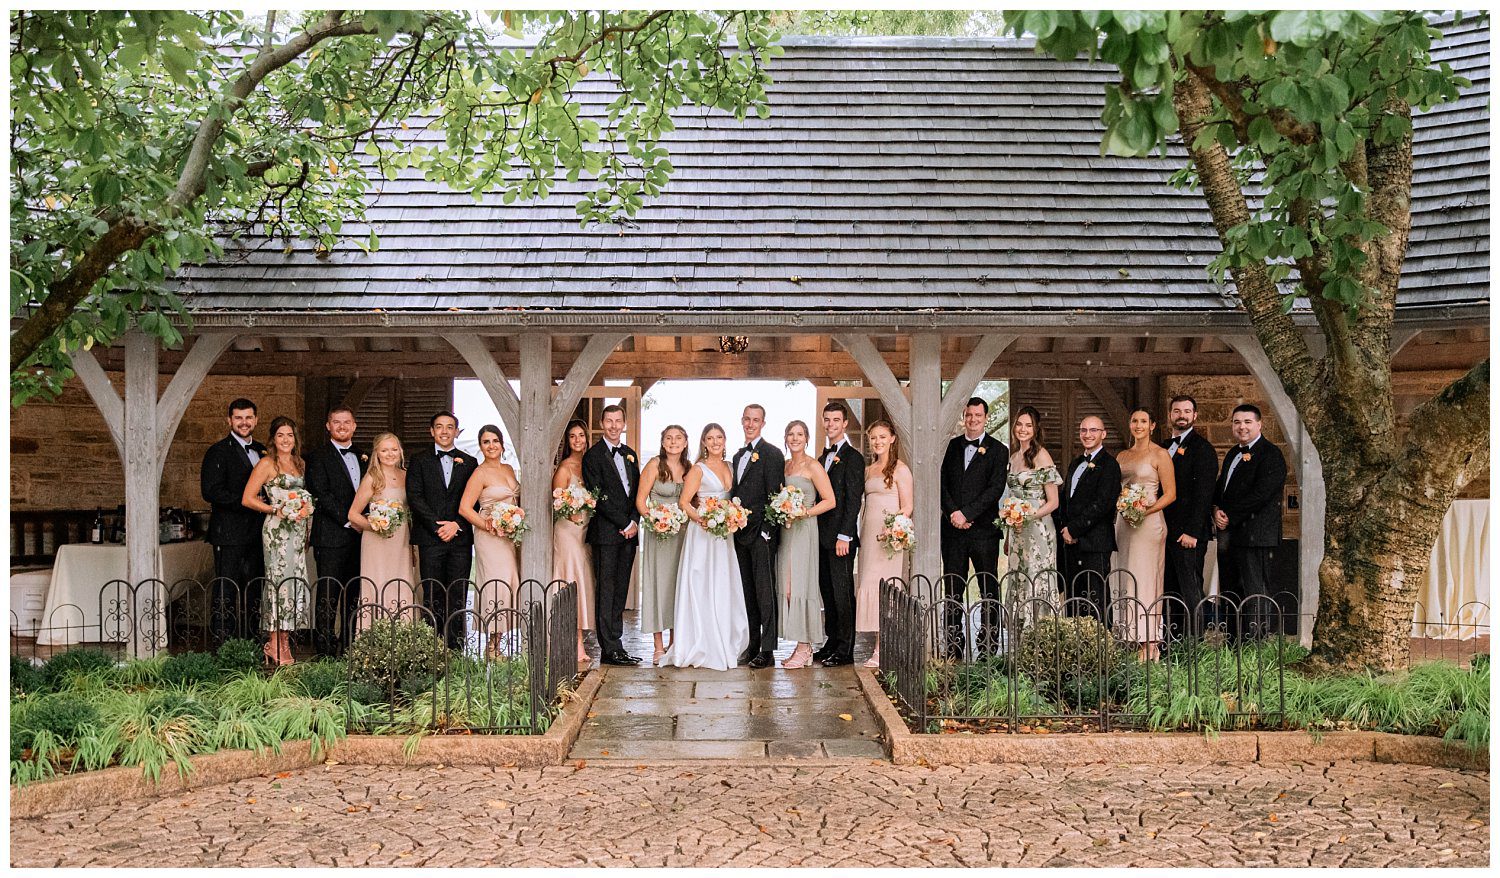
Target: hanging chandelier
{"x": 734, "y": 344}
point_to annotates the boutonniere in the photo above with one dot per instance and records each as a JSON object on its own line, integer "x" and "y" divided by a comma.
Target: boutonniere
{"x": 1245, "y": 458}
{"x": 979, "y": 448}
{"x": 458, "y": 461}
{"x": 835, "y": 458}
{"x": 755, "y": 456}
{"x": 364, "y": 458}
{"x": 1181, "y": 450}
{"x": 630, "y": 457}
{"x": 1091, "y": 464}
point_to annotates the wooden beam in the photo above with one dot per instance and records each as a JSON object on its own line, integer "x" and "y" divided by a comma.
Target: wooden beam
{"x": 477, "y": 354}
{"x": 926, "y": 436}
{"x": 1114, "y": 405}
{"x": 878, "y": 373}
{"x": 184, "y": 386}
{"x": 534, "y": 451}
{"x": 580, "y": 376}
{"x": 355, "y": 396}
{"x": 103, "y": 393}
{"x": 989, "y": 348}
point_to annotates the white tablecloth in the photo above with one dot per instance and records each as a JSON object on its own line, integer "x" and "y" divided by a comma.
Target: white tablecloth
{"x": 1457, "y": 590}
{"x": 82, "y": 569}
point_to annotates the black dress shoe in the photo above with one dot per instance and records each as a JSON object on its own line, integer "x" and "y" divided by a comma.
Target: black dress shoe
{"x": 834, "y": 661}
{"x": 747, "y": 656}
{"x": 624, "y": 656}
{"x": 762, "y": 660}
{"x": 613, "y": 659}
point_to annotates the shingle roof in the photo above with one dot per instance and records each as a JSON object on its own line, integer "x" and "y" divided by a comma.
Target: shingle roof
{"x": 892, "y": 174}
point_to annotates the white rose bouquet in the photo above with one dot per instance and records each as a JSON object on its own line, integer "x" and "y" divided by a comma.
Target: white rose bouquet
{"x": 664, "y": 520}
{"x": 787, "y": 507}
{"x": 510, "y": 520}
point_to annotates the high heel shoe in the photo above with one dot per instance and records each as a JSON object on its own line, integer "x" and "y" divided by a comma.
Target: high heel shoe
{"x": 799, "y": 658}
{"x": 874, "y": 661}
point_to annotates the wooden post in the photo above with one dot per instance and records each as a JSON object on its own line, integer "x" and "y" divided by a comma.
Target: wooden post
{"x": 1304, "y": 456}
{"x": 535, "y": 452}
{"x": 479, "y": 357}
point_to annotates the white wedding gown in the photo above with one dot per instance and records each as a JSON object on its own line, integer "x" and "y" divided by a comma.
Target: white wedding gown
{"x": 709, "y": 628}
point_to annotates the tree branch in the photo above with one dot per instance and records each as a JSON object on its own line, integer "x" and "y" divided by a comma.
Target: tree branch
{"x": 1229, "y": 95}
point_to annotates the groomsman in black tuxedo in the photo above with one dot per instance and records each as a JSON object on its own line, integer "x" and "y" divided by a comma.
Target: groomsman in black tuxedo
{"x": 1085, "y": 520}
{"x": 334, "y": 469}
{"x": 972, "y": 480}
{"x": 435, "y": 481}
{"x": 610, "y": 467}
{"x": 1190, "y": 519}
{"x": 758, "y": 469}
{"x": 233, "y": 530}
{"x": 1247, "y": 516}
{"x": 838, "y": 536}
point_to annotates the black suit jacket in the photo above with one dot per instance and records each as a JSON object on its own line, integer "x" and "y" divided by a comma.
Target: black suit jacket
{"x": 1196, "y": 466}
{"x": 1252, "y": 499}
{"x": 763, "y": 478}
{"x": 848, "y": 478}
{"x": 333, "y": 494}
{"x": 431, "y": 503}
{"x": 1089, "y": 515}
{"x": 616, "y": 508}
{"x": 222, "y": 479}
{"x": 974, "y": 491}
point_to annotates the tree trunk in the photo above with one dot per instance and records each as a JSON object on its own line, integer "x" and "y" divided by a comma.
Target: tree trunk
{"x": 1385, "y": 499}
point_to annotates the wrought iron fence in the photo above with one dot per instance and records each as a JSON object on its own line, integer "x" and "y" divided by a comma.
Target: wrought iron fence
{"x": 1021, "y": 654}
{"x": 510, "y": 648}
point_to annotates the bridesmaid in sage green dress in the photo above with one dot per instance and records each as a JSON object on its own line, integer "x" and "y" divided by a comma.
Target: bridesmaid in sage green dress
{"x": 661, "y": 483}
{"x": 797, "y": 559}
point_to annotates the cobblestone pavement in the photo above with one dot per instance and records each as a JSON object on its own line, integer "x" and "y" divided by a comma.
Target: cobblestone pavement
{"x": 750, "y": 814}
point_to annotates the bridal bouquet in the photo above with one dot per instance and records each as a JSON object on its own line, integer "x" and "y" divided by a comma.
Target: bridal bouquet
{"x": 510, "y": 520}
{"x": 573, "y": 500}
{"x": 900, "y": 534}
{"x": 723, "y": 517}
{"x": 1132, "y": 504}
{"x": 789, "y": 505}
{"x": 386, "y": 517}
{"x": 1014, "y": 513}
{"x": 293, "y": 504}
{"x": 664, "y": 520}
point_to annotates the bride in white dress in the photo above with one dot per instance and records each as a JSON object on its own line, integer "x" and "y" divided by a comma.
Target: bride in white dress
{"x": 710, "y": 628}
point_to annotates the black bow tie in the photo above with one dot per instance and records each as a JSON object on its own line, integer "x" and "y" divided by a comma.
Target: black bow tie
{"x": 452, "y": 452}
{"x": 1243, "y": 449}
{"x": 749, "y": 446}
{"x": 349, "y": 450}
{"x": 974, "y": 443}
{"x": 616, "y": 450}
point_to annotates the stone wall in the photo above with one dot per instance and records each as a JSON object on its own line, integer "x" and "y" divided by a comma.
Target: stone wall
{"x": 62, "y": 456}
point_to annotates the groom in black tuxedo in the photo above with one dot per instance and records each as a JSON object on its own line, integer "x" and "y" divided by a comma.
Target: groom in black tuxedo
{"x": 1247, "y": 516}
{"x": 838, "y": 537}
{"x": 1085, "y": 520}
{"x": 334, "y": 469}
{"x": 435, "y": 482}
{"x": 1190, "y": 519}
{"x": 759, "y": 469}
{"x": 234, "y": 530}
{"x": 610, "y": 467}
{"x": 971, "y": 481}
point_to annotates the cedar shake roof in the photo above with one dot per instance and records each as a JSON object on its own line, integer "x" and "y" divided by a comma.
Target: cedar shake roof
{"x": 892, "y": 175}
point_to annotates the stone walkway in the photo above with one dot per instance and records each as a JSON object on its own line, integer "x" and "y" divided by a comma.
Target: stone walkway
{"x": 681, "y": 714}
{"x": 749, "y": 814}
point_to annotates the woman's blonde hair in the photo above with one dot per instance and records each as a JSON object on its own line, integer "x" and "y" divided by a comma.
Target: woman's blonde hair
{"x": 377, "y": 476}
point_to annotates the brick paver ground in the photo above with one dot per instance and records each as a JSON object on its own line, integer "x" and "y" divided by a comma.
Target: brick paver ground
{"x": 751, "y": 814}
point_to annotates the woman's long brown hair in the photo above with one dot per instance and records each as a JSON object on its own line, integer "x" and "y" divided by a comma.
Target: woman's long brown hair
{"x": 892, "y": 454}
{"x": 663, "y": 472}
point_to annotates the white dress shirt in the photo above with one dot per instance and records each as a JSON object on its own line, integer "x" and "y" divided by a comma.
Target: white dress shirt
{"x": 619, "y": 466}
{"x": 1237, "y": 458}
{"x": 1078, "y": 471}
{"x": 447, "y": 463}
{"x": 350, "y": 464}
{"x": 249, "y": 452}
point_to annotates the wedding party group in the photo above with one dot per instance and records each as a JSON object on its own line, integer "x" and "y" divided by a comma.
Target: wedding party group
{"x": 741, "y": 548}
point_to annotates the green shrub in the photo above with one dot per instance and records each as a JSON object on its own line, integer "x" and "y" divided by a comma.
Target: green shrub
{"x": 25, "y": 678}
{"x": 239, "y": 655}
{"x": 142, "y": 672}
{"x": 64, "y": 714}
{"x": 392, "y": 651}
{"x": 190, "y": 669}
{"x": 319, "y": 679}
{"x": 63, "y": 669}
{"x": 1062, "y": 650}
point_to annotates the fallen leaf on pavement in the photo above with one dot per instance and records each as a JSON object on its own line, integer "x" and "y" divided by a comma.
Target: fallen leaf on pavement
{"x": 1445, "y": 785}
{"x": 281, "y": 774}
{"x": 846, "y": 717}
{"x": 296, "y": 809}
{"x": 249, "y": 801}
{"x": 580, "y": 764}
{"x": 498, "y": 803}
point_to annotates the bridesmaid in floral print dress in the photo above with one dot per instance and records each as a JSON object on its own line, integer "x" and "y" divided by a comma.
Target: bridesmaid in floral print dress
{"x": 1032, "y": 548}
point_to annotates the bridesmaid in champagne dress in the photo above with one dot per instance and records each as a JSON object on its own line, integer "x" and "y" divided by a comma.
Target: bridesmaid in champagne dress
{"x": 801, "y": 611}
{"x": 888, "y": 490}
{"x": 570, "y": 556}
{"x": 661, "y": 484}
{"x": 1143, "y": 548}
{"x": 496, "y": 568}
{"x": 1031, "y": 549}
{"x": 385, "y": 562}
